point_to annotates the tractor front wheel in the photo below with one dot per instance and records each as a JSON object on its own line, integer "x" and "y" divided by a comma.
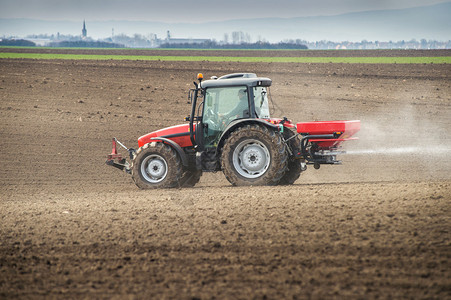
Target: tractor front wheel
{"x": 156, "y": 165}
{"x": 254, "y": 155}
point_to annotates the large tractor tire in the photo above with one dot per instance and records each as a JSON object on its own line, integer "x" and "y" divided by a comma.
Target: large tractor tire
{"x": 156, "y": 165}
{"x": 254, "y": 155}
{"x": 190, "y": 178}
{"x": 294, "y": 168}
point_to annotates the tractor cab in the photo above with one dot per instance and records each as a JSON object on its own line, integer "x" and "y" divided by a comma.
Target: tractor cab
{"x": 220, "y": 102}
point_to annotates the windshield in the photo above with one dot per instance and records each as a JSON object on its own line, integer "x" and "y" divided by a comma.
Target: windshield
{"x": 261, "y": 102}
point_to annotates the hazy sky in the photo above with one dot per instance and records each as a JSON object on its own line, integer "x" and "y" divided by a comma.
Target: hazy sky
{"x": 197, "y": 11}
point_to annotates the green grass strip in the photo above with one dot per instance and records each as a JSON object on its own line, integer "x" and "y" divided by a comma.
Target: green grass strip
{"x": 352, "y": 60}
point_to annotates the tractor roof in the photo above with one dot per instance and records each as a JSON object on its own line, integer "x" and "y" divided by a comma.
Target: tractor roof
{"x": 237, "y": 79}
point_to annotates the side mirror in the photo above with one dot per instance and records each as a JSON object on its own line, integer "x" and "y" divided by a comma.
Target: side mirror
{"x": 190, "y": 96}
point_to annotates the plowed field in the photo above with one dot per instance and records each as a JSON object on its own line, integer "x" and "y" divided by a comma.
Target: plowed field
{"x": 72, "y": 227}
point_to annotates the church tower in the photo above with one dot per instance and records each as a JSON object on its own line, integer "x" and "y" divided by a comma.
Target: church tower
{"x": 84, "y": 31}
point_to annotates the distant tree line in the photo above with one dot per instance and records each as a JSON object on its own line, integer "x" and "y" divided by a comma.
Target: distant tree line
{"x": 364, "y": 44}
{"x": 135, "y": 41}
{"x": 215, "y": 45}
{"x": 20, "y": 43}
{"x": 86, "y": 44}
{"x": 234, "y": 40}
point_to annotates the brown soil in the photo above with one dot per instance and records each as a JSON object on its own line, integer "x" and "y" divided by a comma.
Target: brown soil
{"x": 72, "y": 227}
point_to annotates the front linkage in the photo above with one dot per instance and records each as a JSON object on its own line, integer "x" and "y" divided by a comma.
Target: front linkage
{"x": 121, "y": 162}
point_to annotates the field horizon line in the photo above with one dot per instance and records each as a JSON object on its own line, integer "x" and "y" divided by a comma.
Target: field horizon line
{"x": 351, "y": 60}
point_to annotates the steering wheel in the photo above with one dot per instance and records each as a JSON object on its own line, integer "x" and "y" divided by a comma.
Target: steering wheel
{"x": 212, "y": 119}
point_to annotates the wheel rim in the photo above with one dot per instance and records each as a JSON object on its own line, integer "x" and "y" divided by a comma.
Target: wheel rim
{"x": 251, "y": 158}
{"x": 154, "y": 168}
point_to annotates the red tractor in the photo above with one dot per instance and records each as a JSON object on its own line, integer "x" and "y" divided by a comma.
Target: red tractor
{"x": 230, "y": 130}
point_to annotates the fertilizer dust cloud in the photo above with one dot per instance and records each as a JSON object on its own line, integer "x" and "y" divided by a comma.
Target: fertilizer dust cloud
{"x": 439, "y": 150}
{"x": 409, "y": 144}
{"x": 410, "y": 132}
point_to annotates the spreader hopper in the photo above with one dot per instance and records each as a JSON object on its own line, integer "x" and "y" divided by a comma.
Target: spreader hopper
{"x": 336, "y": 131}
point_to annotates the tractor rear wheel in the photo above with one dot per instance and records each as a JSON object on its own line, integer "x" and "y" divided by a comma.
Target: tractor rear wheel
{"x": 254, "y": 155}
{"x": 156, "y": 165}
{"x": 294, "y": 168}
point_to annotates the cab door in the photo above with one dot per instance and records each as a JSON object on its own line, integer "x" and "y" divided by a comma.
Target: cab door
{"x": 222, "y": 105}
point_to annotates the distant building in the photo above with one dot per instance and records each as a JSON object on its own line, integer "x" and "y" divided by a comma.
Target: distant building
{"x": 171, "y": 41}
{"x": 84, "y": 32}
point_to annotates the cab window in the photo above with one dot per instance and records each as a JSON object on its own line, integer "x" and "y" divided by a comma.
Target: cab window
{"x": 222, "y": 106}
{"x": 261, "y": 102}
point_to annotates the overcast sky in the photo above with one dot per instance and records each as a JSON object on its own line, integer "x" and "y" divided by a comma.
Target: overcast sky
{"x": 197, "y": 11}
